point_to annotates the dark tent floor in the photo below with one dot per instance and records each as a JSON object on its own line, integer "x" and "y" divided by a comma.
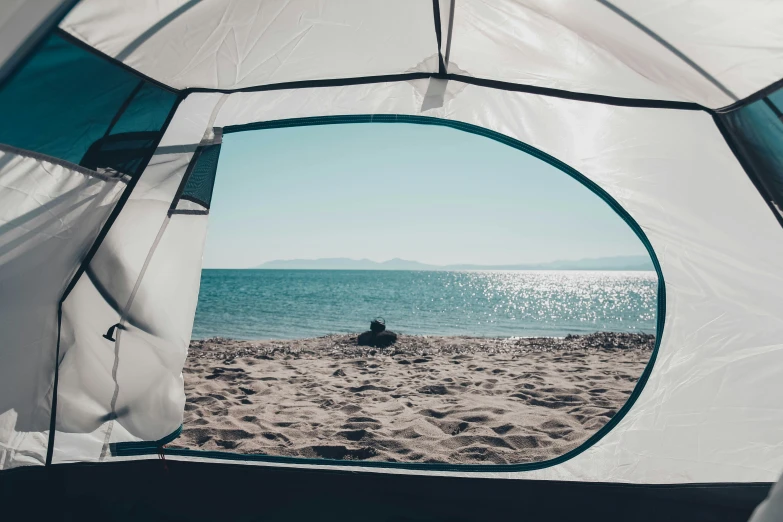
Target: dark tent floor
{"x": 151, "y": 490}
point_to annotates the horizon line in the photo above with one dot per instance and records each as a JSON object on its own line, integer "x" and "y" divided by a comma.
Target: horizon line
{"x": 635, "y": 260}
{"x": 441, "y": 269}
{"x": 557, "y": 260}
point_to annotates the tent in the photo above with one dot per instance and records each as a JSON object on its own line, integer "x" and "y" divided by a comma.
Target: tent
{"x": 113, "y": 114}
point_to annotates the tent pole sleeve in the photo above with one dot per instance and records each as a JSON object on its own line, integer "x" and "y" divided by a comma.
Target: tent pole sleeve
{"x": 438, "y": 35}
{"x": 448, "y": 34}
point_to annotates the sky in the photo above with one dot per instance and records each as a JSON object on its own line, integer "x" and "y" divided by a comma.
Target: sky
{"x": 380, "y": 191}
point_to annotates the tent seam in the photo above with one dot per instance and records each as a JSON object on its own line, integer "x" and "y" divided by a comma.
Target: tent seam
{"x": 452, "y": 7}
{"x": 438, "y": 35}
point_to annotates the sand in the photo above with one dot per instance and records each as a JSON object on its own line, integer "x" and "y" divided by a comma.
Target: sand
{"x": 425, "y": 399}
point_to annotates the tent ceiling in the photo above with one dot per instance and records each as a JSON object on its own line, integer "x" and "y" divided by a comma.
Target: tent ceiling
{"x": 708, "y": 52}
{"x": 739, "y": 43}
{"x": 234, "y": 44}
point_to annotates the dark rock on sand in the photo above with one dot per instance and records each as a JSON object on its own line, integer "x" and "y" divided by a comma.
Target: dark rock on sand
{"x": 377, "y": 336}
{"x": 379, "y": 340}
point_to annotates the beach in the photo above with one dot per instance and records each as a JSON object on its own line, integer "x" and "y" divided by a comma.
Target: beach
{"x": 444, "y": 399}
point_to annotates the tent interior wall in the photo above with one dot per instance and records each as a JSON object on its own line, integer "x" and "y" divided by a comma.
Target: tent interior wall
{"x": 113, "y": 117}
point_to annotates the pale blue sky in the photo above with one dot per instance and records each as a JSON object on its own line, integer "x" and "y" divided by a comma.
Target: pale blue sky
{"x": 380, "y": 191}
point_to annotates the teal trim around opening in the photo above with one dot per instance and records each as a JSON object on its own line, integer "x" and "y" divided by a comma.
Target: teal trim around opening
{"x": 152, "y": 447}
{"x": 144, "y": 447}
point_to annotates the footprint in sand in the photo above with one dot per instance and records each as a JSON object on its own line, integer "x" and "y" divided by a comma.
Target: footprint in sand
{"x": 354, "y": 435}
{"x": 342, "y": 452}
{"x": 434, "y": 389}
{"x": 433, "y": 413}
{"x": 476, "y": 418}
{"x": 453, "y": 427}
{"x": 368, "y": 387}
{"x": 502, "y": 430}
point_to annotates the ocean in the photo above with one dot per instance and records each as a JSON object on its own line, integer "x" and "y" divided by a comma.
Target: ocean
{"x": 293, "y": 304}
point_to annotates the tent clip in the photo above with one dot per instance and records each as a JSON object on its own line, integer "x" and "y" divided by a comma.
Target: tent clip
{"x": 109, "y": 335}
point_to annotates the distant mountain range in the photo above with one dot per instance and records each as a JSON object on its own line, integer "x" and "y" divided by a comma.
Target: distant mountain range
{"x": 342, "y": 263}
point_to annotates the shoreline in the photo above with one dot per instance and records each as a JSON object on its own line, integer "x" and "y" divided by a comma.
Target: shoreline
{"x": 220, "y": 338}
{"x": 446, "y": 399}
{"x": 213, "y": 346}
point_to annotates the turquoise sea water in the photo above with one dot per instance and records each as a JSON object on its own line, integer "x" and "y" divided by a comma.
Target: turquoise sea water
{"x": 291, "y": 304}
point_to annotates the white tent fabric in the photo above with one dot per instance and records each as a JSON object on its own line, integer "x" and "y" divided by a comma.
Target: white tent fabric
{"x": 575, "y": 45}
{"x": 228, "y": 45}
{"x": 50, "y": 214}
{"x": 586, "y": 47}
{"x": 710, "y": 411}
{"x": 737, "y": 43}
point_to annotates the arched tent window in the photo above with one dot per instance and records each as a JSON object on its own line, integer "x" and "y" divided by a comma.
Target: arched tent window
{"x": 591, "y": 411}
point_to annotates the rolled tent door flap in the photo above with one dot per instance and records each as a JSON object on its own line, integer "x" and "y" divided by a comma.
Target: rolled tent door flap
{"x": 50, "y": 214}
